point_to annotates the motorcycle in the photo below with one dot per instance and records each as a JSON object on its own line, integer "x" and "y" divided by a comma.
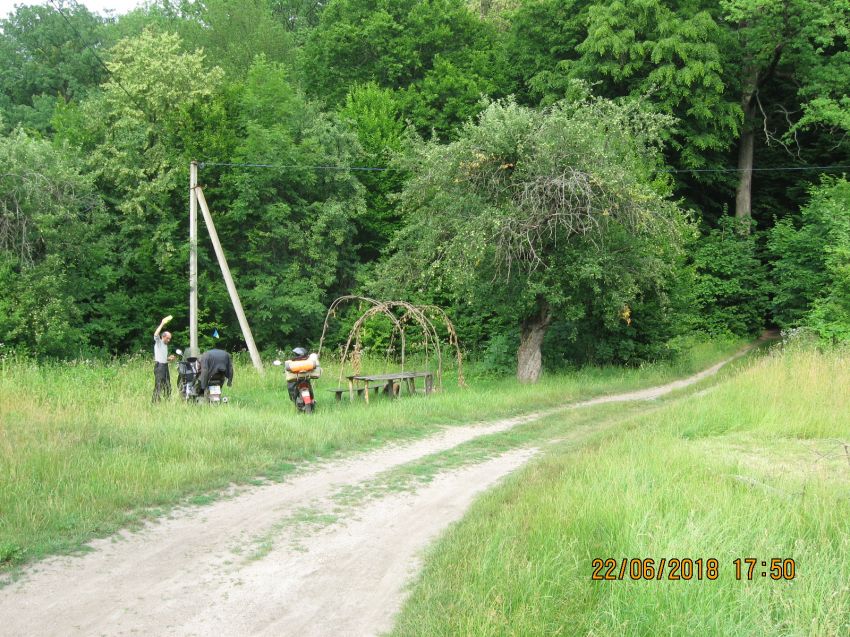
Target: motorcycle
{"x": 188, "y": 370}
{"x": 187, "y": 374}
{"x": 299, "y": 374}
{"x": 212, "y": 394}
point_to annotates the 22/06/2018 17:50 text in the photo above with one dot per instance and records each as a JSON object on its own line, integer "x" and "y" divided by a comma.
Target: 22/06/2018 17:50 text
{"x": 689, "y": 569}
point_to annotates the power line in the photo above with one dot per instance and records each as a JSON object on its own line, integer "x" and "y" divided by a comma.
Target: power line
{"x": 82, "y": 41}
{"x": 290, "y": 166}
{"x": 741, "y": 170}
{"x": 665, "y": 170}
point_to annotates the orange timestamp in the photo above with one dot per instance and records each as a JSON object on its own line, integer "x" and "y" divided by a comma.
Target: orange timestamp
{"x": 777, "y": 568}
{"x": 687, "y": 569}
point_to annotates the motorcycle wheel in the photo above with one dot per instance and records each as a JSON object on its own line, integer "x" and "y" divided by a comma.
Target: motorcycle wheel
{"x": 309, "y": 409}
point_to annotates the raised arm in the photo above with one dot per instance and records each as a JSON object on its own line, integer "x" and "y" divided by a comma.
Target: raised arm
{"x": 161, "y": 325}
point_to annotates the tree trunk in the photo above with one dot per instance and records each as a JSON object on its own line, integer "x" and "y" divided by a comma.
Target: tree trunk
{"x": 753, "y": 81}
{"x": 529, "y": 357}
{"x": 744, "y": 192}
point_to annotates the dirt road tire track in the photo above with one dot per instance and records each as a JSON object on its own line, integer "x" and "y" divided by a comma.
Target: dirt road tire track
{"x": 188, "y": 575}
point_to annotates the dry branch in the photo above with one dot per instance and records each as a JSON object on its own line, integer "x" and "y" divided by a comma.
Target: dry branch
{"x": 572, "y": 203}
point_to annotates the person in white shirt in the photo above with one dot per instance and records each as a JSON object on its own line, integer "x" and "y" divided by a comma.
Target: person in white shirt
{"x": 161, "y": 378}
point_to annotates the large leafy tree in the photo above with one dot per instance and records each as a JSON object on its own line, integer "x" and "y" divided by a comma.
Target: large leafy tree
{"x": 46, "y": 57}
{"x": 670, "y": 55}
{"x": 374, "y": 114}
{"x": 644, "y": 47}
{"x": 55, "y": 255}
{"x": 549, "y": 214}
{"x": 234, "y": 32}
{"x": 135, "y": 122}
{"x": 784, "y": 66}
{"x": 756, "y": 80}
{"x": 133, "y": 133}
{"x": 436, "y": 50}
{"x": 292, "y": 227}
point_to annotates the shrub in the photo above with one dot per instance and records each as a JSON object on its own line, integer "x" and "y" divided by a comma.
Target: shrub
{"x": 730, "y": 290}
{"x": 811, "y": 263}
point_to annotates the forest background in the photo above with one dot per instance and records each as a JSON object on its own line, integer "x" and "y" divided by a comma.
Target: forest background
{"x": 598, "y": 181}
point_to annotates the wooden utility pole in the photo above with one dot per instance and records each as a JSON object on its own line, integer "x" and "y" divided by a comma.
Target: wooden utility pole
{"x": 193, "y": 260}
{"x": 228, "y": 280}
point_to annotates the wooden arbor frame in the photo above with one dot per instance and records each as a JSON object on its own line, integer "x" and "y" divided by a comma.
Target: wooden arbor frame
{"x": 423, "y": 316}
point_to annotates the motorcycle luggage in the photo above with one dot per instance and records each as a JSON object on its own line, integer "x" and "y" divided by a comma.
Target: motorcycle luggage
{"x": 298, "y": 367}
{"x": 315, "y": 373}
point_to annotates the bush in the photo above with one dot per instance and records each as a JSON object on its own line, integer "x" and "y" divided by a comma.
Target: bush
{"x": 730, "y": 290}
{"x": 811, "y": 264}
{"x": 499, "y": 357}
{"x": 37, "y": 315}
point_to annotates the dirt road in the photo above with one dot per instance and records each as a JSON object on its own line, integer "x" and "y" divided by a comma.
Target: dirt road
{"x": 271, "y": 560}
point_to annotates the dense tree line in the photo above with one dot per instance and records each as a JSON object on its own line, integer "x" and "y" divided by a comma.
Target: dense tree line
{"x": 571, "y": 177}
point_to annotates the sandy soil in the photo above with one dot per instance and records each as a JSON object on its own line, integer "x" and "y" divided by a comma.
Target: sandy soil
{"x": 266, "y": 561}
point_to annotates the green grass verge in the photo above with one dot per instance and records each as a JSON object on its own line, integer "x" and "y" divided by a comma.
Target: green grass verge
{"x": 754, "y": 468}
{"x": 84, "y": 453}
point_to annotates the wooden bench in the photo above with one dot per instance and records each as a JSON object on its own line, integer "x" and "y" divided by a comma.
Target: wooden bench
{"x": 340, "y": 391}
{"x": 390, "y": 383}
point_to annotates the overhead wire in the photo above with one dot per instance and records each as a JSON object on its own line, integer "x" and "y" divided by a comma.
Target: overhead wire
{"x": 754, "y": 170}
{"x": 203, "y": 164}
{"x": 58, "y": 7}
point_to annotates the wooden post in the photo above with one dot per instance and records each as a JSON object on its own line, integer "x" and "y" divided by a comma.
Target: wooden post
{"x": 228, "y": 280}
{"x": 193, "y": 260}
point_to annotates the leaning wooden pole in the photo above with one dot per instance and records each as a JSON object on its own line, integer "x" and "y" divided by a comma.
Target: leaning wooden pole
{"x": 228, "y": 280}
{"x": 193, "y": 260}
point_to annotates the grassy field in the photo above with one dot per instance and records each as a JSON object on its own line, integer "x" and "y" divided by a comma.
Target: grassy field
{"x": 84, "y": 453}
{"x": 754, "y": 468}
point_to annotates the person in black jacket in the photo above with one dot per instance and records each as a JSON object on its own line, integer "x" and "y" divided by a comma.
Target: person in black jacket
{"x": 215, "y": 365}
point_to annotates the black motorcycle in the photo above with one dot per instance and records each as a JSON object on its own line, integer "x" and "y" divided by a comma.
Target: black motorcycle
{"x": 188, "y": 385}
{"x": 188, "y": 369}
{"x": 212, "y": 394}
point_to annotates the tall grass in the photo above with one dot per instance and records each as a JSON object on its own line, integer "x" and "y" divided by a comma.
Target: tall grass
{"x": 757, "y": 468}
{"x": 83, "y": 451}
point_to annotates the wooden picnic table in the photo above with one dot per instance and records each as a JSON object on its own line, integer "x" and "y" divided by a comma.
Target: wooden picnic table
{"x": 391, "y": 383}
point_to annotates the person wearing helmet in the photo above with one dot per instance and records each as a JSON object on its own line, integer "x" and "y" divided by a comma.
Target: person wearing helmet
{"x": 298, "y": 354}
